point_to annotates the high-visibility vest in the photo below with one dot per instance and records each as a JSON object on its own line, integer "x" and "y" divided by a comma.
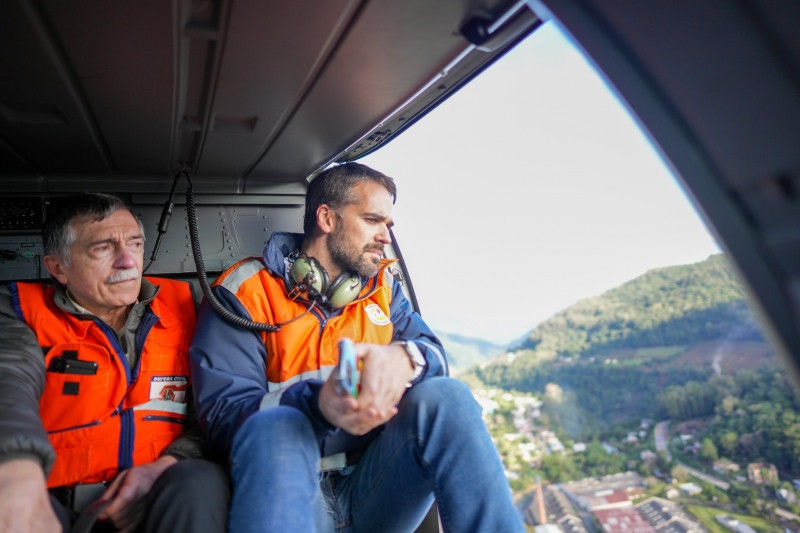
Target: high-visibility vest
{"x": 307, "y": 340}
{"x": 100, "y": 415}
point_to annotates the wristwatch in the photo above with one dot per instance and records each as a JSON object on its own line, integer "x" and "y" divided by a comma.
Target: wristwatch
{"x": 415, "y": 356}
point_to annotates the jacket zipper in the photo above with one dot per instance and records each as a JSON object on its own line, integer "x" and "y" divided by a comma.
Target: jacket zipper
{"x": 81, "y": 426}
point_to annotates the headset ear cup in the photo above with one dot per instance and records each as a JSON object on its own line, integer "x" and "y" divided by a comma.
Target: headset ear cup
{"x": 306, "y": 271}
{"x": 343, "y": 290}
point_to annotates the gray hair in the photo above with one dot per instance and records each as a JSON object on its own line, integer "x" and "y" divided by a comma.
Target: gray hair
{"x": 58, "y": 234}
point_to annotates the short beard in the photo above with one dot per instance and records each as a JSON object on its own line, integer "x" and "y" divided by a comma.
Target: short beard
{"x": 348, "y": 258}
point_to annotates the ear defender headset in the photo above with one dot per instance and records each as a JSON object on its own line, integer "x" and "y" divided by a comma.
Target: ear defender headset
{"x": 307, "y": 274}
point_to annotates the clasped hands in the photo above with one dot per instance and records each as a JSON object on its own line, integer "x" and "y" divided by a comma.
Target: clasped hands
{"x": 385, "y": 373}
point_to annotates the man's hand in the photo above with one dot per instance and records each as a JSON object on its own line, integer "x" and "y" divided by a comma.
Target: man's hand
{"x": 24, "y": 500}
{"x": 128, "y": 493}
{"x": 386, "y": 371}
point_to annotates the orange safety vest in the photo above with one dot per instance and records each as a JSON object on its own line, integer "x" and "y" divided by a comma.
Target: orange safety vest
{"x": 309, "y": 343}
{"x": 101, "y": 416}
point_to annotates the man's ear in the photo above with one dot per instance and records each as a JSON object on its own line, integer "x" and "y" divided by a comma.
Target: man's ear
{"x": 326, "y": 218}
{"x": 54, "y": 265}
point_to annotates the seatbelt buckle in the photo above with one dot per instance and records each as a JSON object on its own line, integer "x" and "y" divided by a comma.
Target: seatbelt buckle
{"x": 337, "y": 461}
{"x": 84, "y": 494}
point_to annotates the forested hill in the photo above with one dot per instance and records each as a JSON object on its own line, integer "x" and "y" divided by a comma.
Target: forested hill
{"x": 665, "y": 307}
{"x": 615, "y": 353}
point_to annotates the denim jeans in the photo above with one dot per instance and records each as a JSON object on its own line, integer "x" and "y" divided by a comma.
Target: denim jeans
{"x": 436, "y": 446}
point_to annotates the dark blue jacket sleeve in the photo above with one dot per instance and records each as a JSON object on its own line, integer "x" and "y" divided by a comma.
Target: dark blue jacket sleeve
{"x": 409, "y": 326}
{"x": 228, "y": 372}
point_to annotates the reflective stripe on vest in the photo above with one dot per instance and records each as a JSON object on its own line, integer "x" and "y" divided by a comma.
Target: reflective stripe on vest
{"x": 100, "y": 415}
{"x": 307, "y": 347}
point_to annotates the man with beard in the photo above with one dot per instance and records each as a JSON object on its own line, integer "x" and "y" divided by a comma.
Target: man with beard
{"x": 94, "y": 372}
{"x": 305, "y": 453}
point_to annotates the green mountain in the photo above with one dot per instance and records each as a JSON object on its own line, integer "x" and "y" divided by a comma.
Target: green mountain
{"x": 464, "y": 352}
{"x": 611, "y": 356}
{"x": 666, "y": 306}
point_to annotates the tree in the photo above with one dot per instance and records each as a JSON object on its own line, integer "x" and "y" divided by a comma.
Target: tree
{"x": 558, "y": 468}
{"x": 708, "y": 450}
{"x": 728, "y": 442}
{"x": 680, "y": 473}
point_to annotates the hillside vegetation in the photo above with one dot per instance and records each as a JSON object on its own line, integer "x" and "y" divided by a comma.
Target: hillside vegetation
{"x": 613, "y": 356}
{"x": 664, "y": 307}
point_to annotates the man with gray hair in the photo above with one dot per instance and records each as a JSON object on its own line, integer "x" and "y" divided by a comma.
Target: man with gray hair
{"x": 94, "y": 386}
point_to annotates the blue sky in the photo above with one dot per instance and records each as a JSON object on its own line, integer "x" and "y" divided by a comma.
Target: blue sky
{"x": 531, "y": 189}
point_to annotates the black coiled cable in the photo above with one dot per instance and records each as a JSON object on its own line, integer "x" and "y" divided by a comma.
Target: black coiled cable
{"x": 225, "y": 313}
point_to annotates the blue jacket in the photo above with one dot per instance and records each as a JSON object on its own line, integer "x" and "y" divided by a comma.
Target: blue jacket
{"x": 230, "y": 365}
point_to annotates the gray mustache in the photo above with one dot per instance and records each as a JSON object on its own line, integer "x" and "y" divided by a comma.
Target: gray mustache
{"x": 123, "y": 275}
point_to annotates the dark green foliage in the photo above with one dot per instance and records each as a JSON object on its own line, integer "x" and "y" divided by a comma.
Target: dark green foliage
{"x": 677, "y": 343}
{"x": 598, "y": 462}
{"x": 558, "y": 468}
{"x": 605, "y": 394}
{"x": 693, "y": 400}
{"x": 757, "y": 418}
{"x": 634, "y": 352}
{"x": 664, "y": 307}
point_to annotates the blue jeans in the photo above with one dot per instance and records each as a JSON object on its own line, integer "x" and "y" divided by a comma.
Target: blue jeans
{"x": 436, "y": 446}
